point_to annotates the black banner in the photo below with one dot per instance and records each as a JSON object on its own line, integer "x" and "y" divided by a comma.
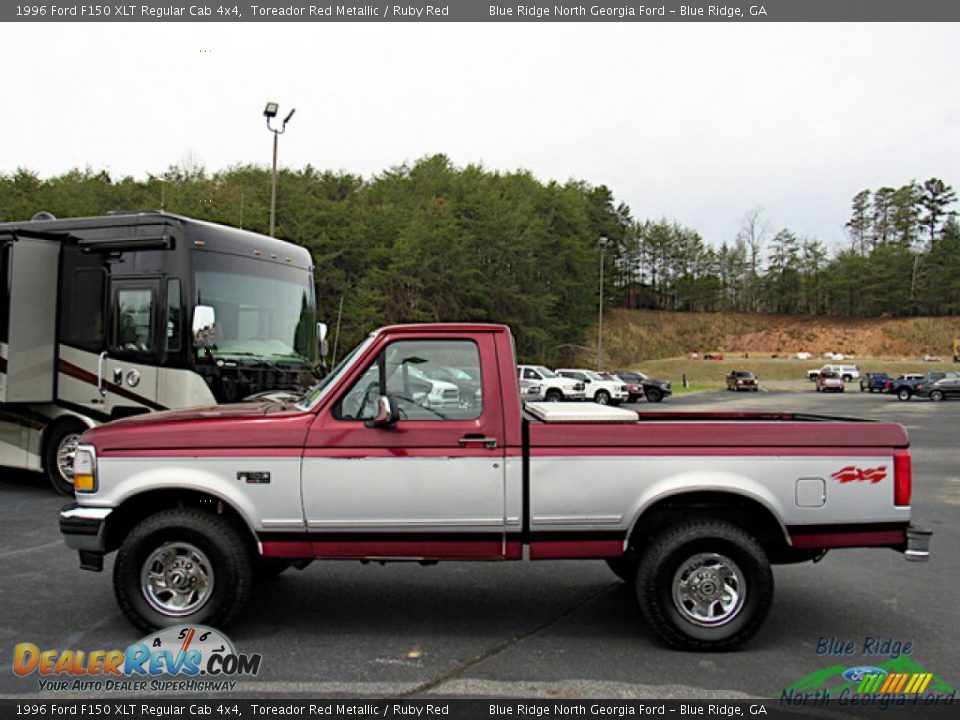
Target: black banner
{"x": 610, "y": 11}
{"x": 461, "y": 709}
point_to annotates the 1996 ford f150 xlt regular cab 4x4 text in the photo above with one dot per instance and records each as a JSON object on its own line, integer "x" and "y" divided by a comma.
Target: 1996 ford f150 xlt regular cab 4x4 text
{"x": 693, "y": 509}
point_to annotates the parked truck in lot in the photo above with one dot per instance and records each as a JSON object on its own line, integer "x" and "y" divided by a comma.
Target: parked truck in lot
{"x": 95, "y": 318}
{"x": 691, "y": 509}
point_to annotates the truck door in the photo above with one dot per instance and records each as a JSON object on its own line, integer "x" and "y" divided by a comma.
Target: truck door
{"x": 431, "y": 487}
{"x": 130, "y": 369}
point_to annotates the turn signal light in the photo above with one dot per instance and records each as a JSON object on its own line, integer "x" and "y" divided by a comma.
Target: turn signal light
{"x": 84, "y": 471}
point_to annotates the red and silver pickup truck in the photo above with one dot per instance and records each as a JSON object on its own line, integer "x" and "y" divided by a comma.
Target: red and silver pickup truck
{"x": 693, "y": 509}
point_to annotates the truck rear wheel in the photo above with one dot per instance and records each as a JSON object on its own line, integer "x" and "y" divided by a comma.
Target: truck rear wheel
{"x": 60, "y": 445}
{"x": 705, "y": 585}
{"x": 904, "y": 394}
{"x": 182, "y": 566}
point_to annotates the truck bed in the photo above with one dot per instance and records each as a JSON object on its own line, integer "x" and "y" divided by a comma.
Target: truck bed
{"x": 750, "y": 433}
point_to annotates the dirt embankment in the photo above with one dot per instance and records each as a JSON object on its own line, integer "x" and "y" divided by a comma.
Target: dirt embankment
{"x": 634, "y": 335}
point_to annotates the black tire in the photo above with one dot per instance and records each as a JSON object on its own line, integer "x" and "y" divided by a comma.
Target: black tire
{"x": 936, "y": 395}
{"x": 654, "y": 395}
{"x": 601, "y": 397}
{"x": 225, "y": 560}
{"x": 846, "y": 378}
{"x": 723, "y": 548}
{"x": 553, "y": 395}
{"x": 268, "y": 568}
{"x": 58, "y": 439}
{"x": 842, "y": 389}
{"x": 624, "y": 567}
{"x": 904, "y": 394}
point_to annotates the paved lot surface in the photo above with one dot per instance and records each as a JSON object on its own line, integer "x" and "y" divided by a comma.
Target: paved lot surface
{"x": 551, "y": 629}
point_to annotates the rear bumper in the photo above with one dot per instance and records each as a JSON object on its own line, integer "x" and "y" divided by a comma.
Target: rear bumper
{"x": 917, "y": 548}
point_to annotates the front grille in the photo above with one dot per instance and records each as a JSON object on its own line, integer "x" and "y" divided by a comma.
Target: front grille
{"x": 451, "y": 394}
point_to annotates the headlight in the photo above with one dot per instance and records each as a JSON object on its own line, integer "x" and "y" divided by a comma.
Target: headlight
{"x": 85, "y": 470}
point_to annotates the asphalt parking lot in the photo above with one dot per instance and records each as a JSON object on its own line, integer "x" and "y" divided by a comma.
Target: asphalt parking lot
{"x": 548, "y": 629}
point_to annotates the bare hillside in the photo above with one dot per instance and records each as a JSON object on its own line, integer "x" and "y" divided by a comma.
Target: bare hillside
{"x": 633, "y": 335}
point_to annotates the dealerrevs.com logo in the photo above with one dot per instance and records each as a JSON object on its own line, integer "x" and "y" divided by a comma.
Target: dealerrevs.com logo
{"x": 183, "y": 658}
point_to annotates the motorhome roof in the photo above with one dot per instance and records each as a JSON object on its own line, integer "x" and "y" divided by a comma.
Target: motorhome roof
{"x": 100, "y": 230}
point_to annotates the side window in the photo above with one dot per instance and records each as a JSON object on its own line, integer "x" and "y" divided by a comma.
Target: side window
{"x": 529, "y": 374}
{"x": 429, "y": 379}
{"x": 174, "y": 315}
{"x": 82, "y": 307}
{"x": 133, "y": 320}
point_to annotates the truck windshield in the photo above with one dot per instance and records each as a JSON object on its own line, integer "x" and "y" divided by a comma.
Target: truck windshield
{"x": 545, "y": 372}
{"x": 264, "y": 311}
{"x": 313, "y": 395}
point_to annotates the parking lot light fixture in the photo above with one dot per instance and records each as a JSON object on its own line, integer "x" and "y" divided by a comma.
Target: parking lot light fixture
{"x": 270, "y": 112}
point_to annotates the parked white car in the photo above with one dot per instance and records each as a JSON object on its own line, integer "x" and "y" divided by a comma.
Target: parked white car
{"x": 848, "y": 373}
{"x": 598, "y": 388}
{"x": 554, "y": 387}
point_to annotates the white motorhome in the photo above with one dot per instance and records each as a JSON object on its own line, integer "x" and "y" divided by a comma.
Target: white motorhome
{"x": 96, "y": 317}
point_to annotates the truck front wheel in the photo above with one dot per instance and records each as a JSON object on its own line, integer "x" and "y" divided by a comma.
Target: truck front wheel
{"x": 182, "y": 566}
{"x": 705, "y": 585}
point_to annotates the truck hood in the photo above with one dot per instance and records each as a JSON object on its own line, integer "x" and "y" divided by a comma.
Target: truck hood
{"x": 240, "y": 425}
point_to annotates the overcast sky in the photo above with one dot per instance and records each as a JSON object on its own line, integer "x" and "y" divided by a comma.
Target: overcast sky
{"x": 692, "y": 122}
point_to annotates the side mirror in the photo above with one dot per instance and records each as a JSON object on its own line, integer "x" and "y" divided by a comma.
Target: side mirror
{"x": 204, "y": 327}
{"x": 322, "y": 344}
{"x": 387, "y": 414}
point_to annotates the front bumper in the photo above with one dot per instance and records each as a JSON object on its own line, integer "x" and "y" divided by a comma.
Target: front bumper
{"x": 85, "y": 529}
{"x": 917, "y": 548}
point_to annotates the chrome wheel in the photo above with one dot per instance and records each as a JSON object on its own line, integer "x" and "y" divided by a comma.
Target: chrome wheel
{"x": 177, "y": 579}
{"x": 65, "y": 452}
{"x": 709, "y": 589}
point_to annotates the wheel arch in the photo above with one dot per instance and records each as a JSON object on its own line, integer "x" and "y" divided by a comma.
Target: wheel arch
{"x": 749, "y": 511}
{"x": 141, "y": 505}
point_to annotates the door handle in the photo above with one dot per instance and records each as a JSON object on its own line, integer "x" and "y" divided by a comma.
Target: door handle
{"x": 102, "y": 391}
{"x": 488, "y": 442}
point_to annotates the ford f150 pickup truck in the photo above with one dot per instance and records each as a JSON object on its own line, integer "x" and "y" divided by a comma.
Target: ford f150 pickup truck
{"x": 691, "y": 509}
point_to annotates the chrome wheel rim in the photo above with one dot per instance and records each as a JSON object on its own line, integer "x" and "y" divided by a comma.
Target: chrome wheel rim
{"x": 65, "y": 453}
{"x": 177, "y": 579}
{"x": 709, "y": 589}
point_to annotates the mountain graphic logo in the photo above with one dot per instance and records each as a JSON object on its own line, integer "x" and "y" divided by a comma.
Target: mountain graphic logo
{"x": 901, "y": 672}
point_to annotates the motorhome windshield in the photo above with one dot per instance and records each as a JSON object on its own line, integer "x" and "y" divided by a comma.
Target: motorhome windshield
{"x": 263, "y": 310}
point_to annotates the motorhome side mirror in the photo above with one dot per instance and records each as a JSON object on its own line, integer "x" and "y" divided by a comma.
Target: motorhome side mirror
{"x": 322, "y": 345}
{"x": 387, "y": 414}
{"x": 204, "y": 327}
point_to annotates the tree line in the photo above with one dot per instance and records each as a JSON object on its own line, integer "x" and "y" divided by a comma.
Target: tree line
{"x": 432, "y": 241}
{"x": 903, "y": 259}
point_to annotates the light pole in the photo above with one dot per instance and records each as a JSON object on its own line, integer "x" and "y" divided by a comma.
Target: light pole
{"x": 603, "y": 246}
{"x": 270, "y": 112}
